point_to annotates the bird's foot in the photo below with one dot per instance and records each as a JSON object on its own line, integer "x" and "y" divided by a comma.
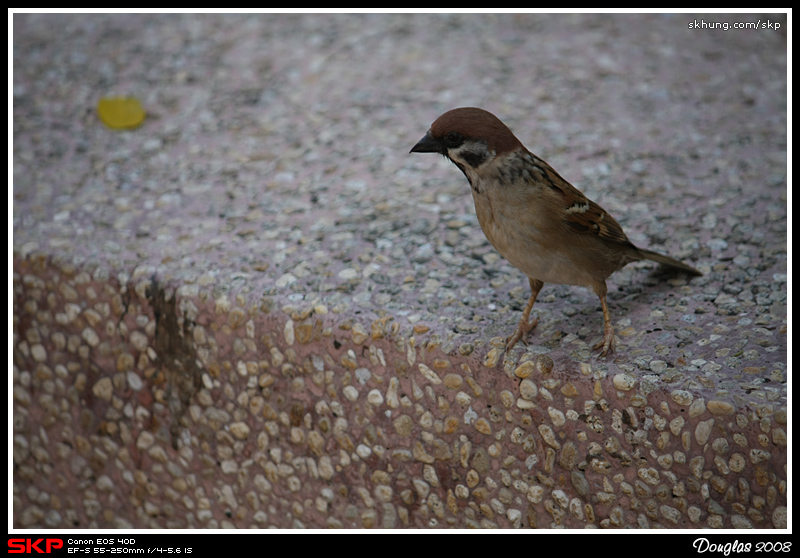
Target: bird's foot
{"x": 607, "y": 344}
{"x": 521, "y": 333}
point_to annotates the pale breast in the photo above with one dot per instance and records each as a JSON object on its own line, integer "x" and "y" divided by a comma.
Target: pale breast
{"x": 516, "y": 232}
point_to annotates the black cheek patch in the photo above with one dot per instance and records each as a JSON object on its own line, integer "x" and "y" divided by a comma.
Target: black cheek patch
{"x": 474, "y": 159}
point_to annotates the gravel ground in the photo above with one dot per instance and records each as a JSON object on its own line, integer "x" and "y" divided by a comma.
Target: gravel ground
{"x": 267, "y": 214}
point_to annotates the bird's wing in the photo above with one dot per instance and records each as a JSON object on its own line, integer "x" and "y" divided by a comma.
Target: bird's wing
{"x": 580, "y": 213}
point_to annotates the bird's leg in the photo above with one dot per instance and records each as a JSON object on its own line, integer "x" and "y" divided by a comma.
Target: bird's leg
{"x": 608, "y": 330}
{"x": 524, "y": 326}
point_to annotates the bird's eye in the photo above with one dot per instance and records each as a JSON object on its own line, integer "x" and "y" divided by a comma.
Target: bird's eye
{"x": 453, "y": 139}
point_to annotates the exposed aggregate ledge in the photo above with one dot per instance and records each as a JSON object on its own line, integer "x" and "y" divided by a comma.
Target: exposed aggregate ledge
{"x": 292, "y": 419}
{"x": 258, "y": 311}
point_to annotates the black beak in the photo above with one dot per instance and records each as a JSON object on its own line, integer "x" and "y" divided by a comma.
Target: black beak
{"x": 428, "y": 144}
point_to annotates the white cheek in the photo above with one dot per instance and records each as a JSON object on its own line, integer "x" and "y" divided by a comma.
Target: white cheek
{"x": 456, "y": 153}
{"x": 468, "y": 153}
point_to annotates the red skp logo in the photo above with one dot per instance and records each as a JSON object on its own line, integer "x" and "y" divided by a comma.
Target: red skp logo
{"x": 29, "y": 546}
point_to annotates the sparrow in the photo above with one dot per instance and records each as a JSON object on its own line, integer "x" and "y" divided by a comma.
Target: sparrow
{"x": 539, "y": 222}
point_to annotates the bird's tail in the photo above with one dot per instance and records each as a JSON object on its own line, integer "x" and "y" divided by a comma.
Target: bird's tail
{"x": 670, "y": 262}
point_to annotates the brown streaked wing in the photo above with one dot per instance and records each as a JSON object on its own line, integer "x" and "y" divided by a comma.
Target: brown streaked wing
{"x": 583, "y": 215}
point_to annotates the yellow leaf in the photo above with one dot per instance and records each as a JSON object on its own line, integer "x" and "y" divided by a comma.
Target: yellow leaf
{"x": 120, "y": 113}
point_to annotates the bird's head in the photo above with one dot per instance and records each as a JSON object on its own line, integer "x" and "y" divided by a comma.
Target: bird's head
{"x": 470, "y": 137}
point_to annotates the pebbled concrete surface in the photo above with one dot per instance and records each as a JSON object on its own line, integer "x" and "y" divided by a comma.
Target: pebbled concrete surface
{"x": 257, "y": 310}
